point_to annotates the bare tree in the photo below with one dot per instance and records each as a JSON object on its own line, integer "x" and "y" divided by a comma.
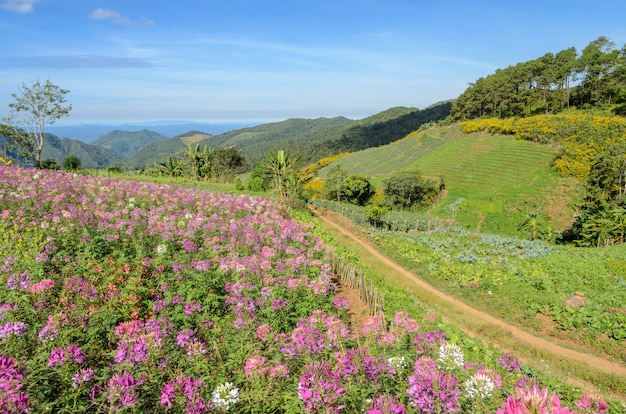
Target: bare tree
{"x": 35, "y": 106}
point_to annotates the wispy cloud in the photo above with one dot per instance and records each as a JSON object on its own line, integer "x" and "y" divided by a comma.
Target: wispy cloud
{"x": 118, "y": 18}
{"x": 72, "y": 62}
{"x": 19, "y": 6}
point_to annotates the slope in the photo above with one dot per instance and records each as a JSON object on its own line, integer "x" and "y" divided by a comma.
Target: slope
{"x": 126, "y": 143}
{"x": 492, "y": 182}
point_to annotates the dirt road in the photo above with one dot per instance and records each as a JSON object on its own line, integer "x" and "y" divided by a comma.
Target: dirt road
{"x": 343, "y": 225}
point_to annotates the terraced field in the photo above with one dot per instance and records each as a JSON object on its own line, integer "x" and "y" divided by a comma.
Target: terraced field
{"x": 374, "y": 162}
{"x": 491, "y": 181}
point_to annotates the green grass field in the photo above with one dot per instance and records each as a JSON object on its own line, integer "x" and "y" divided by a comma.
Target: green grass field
{"x": 491, "y": 181}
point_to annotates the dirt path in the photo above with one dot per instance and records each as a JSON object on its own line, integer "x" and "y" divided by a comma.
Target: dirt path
{"x": 343, "y": 225}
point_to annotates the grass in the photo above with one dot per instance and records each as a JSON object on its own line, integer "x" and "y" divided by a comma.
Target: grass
{"x": 379, "y": 161}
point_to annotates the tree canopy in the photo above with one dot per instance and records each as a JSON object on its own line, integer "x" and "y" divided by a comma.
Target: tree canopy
{"x": 548, "y": 84}
{"x": 36, "y": 105}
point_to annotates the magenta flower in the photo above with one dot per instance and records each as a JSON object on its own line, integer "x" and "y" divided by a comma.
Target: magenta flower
{"x": 592, "y": 404}
{"x": 386, "y": 405}
{"x": 431, "y": 390}
{"x": 320, "y": 389}
{"x": 185, "y": 390}
{"x": 533, "y": 400}
{"x": 10, "y": 329}
{"x": 71, "y": 353}
{"x": 12, "y": 399}
{"x": 121, "y": 391}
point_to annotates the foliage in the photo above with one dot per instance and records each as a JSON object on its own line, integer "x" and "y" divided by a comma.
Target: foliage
{"x": 408, "y": 189}
{"x": 37, "y": 105}
{"x": 280, "y": 167}
{"x": 352, "y": 188}
{"x": 71, "y": 163}
{"x": 218, "y": 164}
{"x": 49, "y": 164}
{"x": 547, "y": 84}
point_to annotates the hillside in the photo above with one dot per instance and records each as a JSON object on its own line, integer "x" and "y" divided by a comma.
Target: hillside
{"x": 492, "y": 181}
{"x": 126, "y": 143}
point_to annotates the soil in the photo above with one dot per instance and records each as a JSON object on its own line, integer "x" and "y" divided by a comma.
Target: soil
{"x": 349, "y": 229}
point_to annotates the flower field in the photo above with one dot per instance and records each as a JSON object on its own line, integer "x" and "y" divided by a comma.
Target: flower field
{"x": 120, "y": 296}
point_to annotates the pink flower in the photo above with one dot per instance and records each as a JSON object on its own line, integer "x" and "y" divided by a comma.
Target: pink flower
{"x": 531, "y": 399}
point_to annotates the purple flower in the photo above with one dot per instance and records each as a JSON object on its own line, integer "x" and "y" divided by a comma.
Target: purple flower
{"x": 190, "y": 246}
{"x": 509, "y": 362}
{"x": 320, "y": 389}
{"x": 192, "y": 306}
{"x": 186, "y": 390}
{"x": 82, "y": 375}
{"x": 386, "y": 405}
{"x": 121, "y": 391}
{"x": 184, "y": 337}
{"x": 278, "y": 304}
{"x": 431, "y": 390}
{"x": 12, "y": 399}
{"x": 10, "y": 329}
{"x": 63, "y": 354}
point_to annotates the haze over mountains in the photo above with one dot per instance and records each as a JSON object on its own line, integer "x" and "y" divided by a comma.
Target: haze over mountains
{"x": 88, "y": 133}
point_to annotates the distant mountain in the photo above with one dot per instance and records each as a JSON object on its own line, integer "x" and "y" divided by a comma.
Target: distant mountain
{"x": 90, "y": 132}
{"x": 125, "y": 143}
{"x": 91, "y": 156}
{"x": 155, "y": 152}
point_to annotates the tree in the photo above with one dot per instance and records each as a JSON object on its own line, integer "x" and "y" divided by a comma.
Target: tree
{"x": 359, "y": 190}
{"x": 71, "y": 163}
{"x": 406, "y": 189}
{"x": 334, "y": 188}
{"x": 36, "y": 105}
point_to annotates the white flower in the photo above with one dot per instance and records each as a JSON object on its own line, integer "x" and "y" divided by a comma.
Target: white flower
{"x": 480, "y": 385}
{"x": 225, "y": 395}
{"x": 161, "y": 249}
{"x": 450, "y": 356}
{"x": 398, "y": 362}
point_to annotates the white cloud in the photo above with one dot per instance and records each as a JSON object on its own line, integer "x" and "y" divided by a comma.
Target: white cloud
{"x": 117, "y": 18}
{"x": 19, "y": 6}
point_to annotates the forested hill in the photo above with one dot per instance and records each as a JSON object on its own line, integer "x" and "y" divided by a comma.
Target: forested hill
{"x": 550, "y": 84}
{"x": 378, "y": 131}
{"x": 125, "y": 143}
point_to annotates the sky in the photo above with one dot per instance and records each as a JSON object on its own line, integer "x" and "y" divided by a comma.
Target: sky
{"x": 270, "y": 60}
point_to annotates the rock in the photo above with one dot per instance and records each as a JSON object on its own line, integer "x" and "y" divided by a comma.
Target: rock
{"x": 575, "y": 301}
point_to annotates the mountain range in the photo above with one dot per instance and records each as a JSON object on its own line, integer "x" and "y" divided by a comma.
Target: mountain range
{"x": 309, "y": 139}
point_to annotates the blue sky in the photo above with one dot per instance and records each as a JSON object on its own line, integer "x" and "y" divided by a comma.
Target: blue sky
{"x": 267, "y": 60}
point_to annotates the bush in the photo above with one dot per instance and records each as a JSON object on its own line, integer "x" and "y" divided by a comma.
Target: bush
{"x": 71, "y": 163}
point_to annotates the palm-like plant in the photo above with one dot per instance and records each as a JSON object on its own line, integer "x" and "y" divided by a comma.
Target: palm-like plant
{"x": 172, "y": 167}
{"x": 281, "y": 168}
